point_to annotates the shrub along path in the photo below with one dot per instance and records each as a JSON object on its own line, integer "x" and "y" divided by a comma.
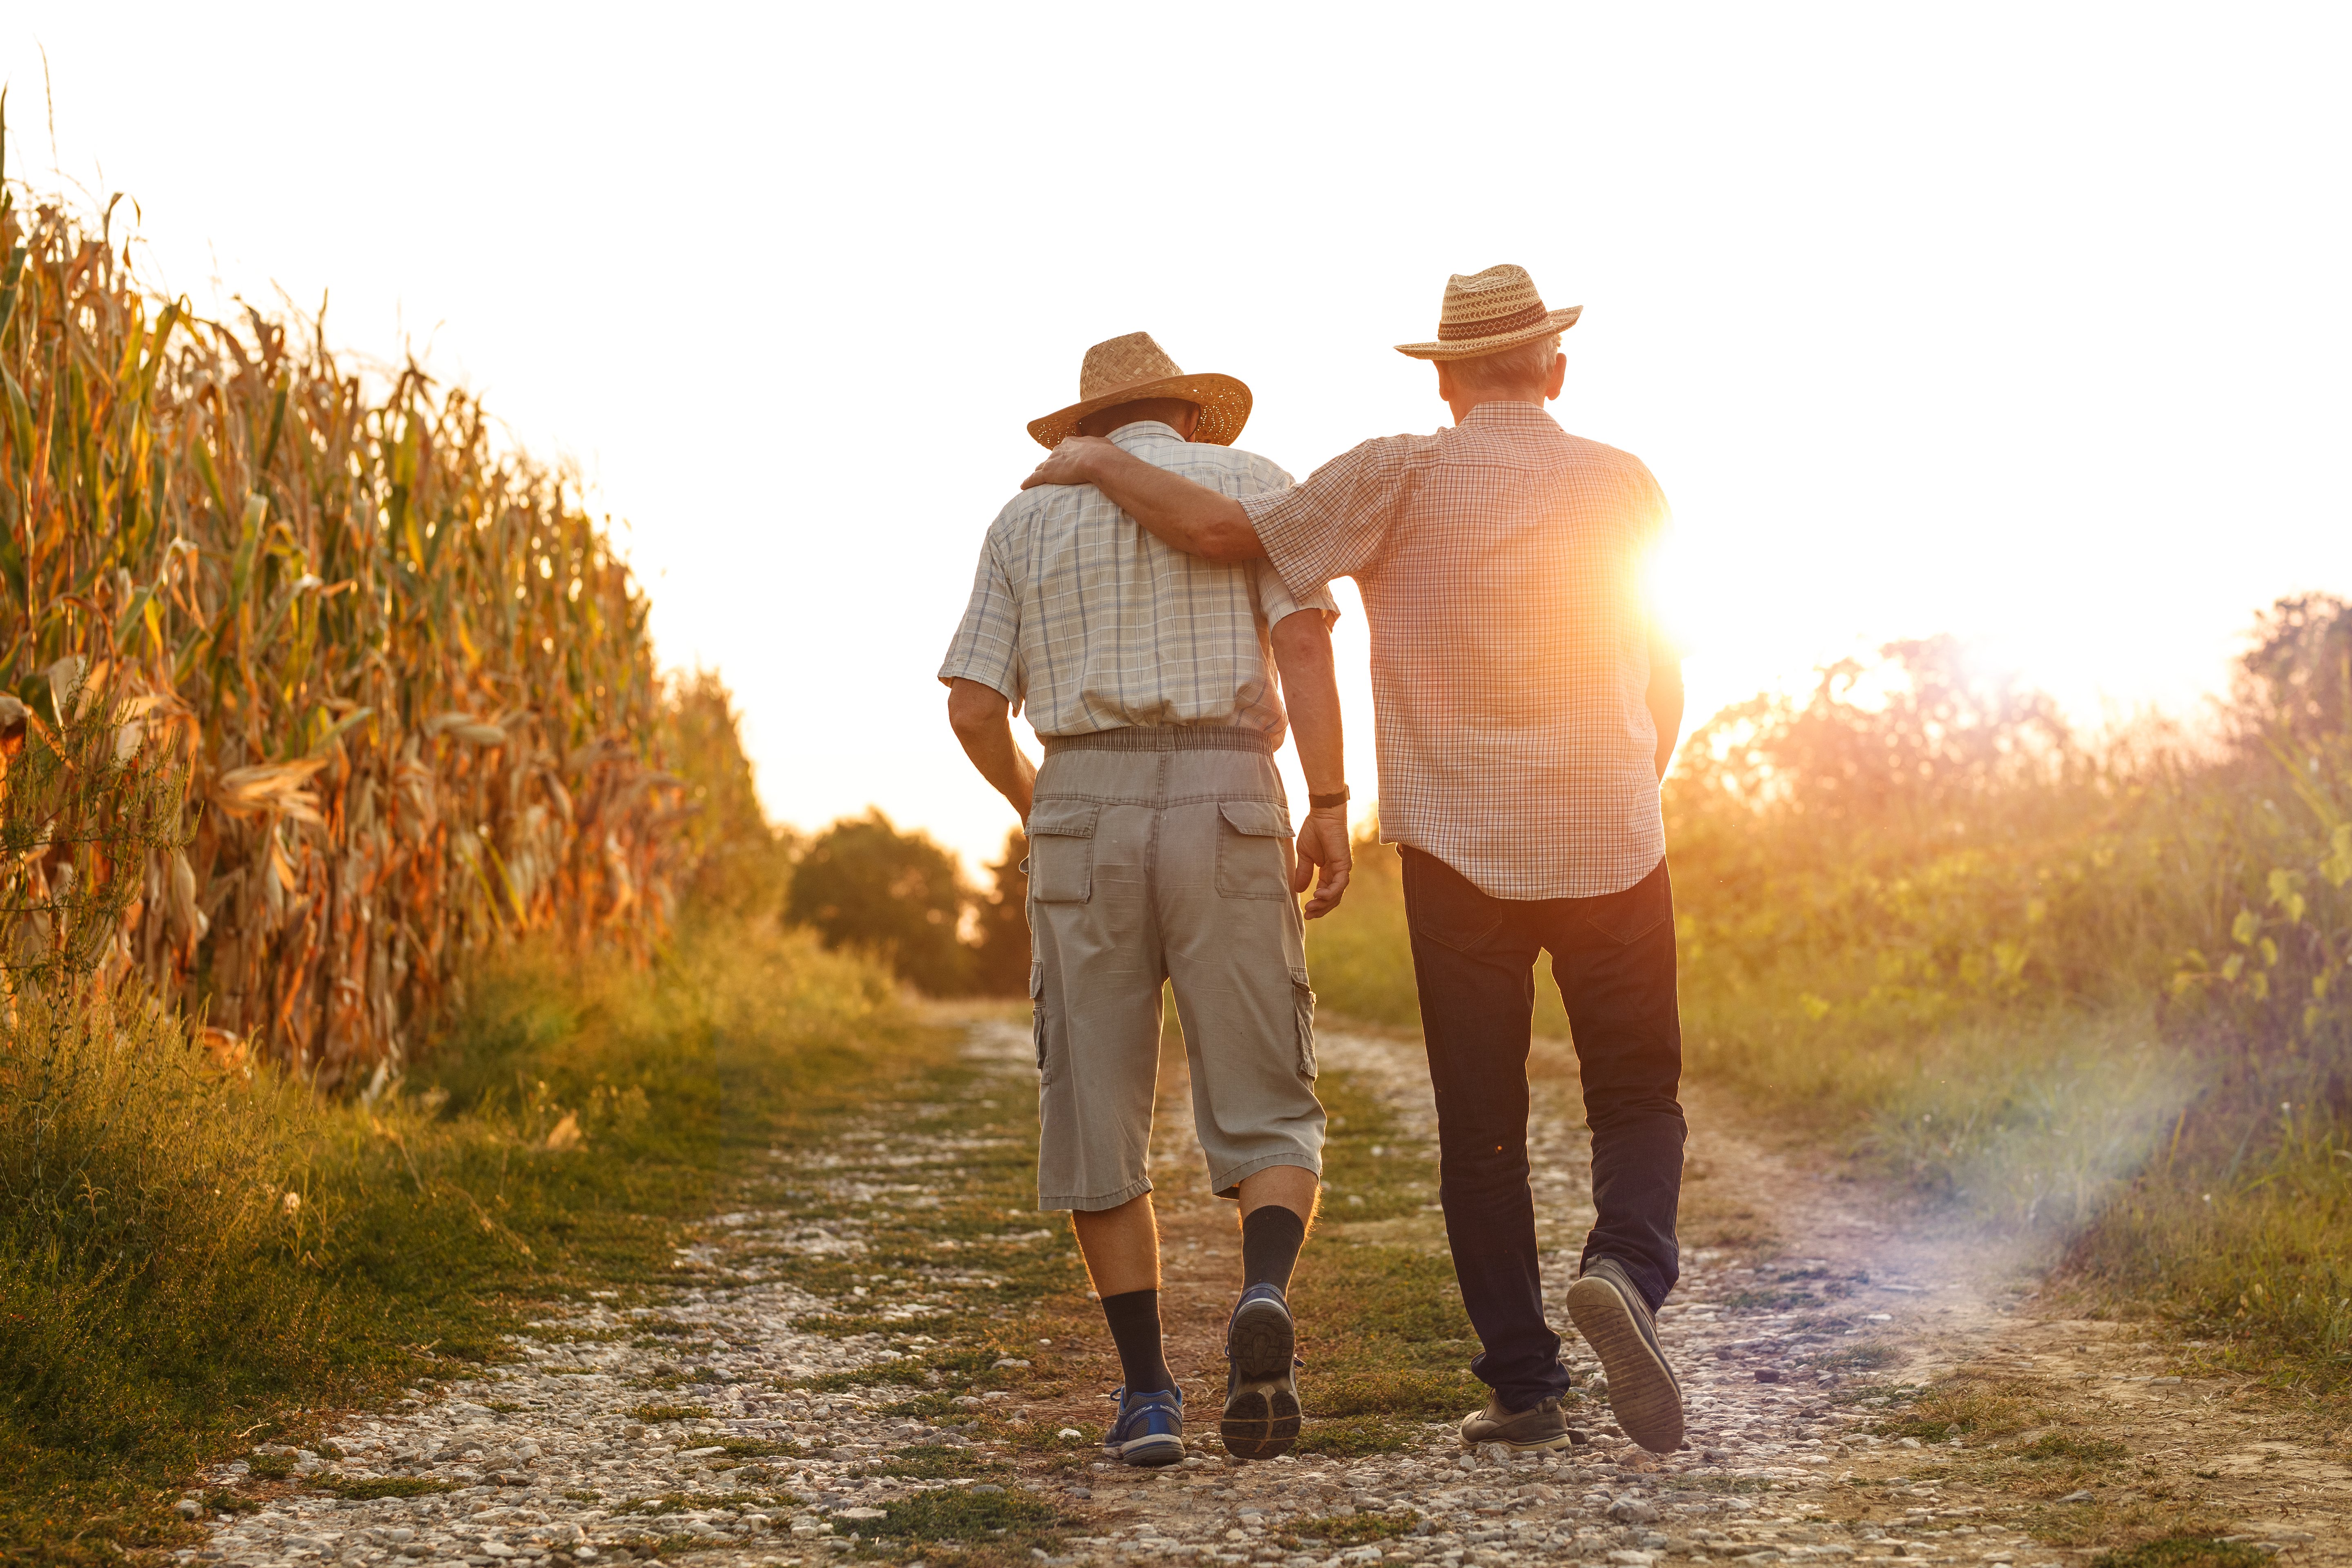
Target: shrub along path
{"x": 882, "y": 1351}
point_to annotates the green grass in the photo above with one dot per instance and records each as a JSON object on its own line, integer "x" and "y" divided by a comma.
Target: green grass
{"x": 2061, "y": 1446}
{"x": 1360, "y": 955}
{"x": 1017, "y": 1520}
{"x": 1349, "y": 1438}
{"x": 935, "y": 1462}
{"x": 2183, "y": 1551}
{"x": 1350, "y": 1530}
{"x": 1959, "y": 1406}
{"x": 367, "y": 1488}
{"x": 652, "y": 1413}
{"x": 189, "y": 1310}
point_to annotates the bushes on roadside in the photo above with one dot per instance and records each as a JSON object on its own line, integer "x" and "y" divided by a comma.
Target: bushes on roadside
{"x": 1916, "y": 910}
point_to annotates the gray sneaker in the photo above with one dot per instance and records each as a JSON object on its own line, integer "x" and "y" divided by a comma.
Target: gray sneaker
{"x": 1543, "y": 1427}
{"x": 1615, "y": 1321}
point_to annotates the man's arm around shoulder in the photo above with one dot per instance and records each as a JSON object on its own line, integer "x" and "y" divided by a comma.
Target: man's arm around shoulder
{"x": 1181, "y": 514}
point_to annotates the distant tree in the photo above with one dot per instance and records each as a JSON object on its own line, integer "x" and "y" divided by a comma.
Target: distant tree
{"x": 737, "y": 859}
{"x": 864, "y": 884}
{"x": 1000, "y": 956}
{"x": 2298, "y": 678}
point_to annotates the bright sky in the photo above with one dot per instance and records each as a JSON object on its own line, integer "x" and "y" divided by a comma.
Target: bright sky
{"x": 2026, "y": 323}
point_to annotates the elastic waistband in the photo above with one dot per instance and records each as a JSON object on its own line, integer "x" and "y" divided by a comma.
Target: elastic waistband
{"x": 1165, "y": 738}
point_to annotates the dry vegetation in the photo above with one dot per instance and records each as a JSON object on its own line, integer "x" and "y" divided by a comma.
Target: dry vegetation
{"x": 400, "y": 674}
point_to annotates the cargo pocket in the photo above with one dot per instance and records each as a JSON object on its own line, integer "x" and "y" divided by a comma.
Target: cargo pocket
{"x": 1302, "y": 998}
{"x": 1037, "y": 1013}
{"x": 1062, "y": 851}
{"x": 1250, "y": 835}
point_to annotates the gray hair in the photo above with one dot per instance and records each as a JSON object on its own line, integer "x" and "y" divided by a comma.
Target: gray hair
{"x": 1509, "y": 368}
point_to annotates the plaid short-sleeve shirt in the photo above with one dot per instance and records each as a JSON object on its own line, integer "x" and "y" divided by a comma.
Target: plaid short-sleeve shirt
{"x": 1502, "y": 564}
{"x": 1089, "y": 622}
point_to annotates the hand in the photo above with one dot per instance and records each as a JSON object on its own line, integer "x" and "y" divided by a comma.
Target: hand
{"x": 1325, "y": 859}
{"x": 1069, "y": 464}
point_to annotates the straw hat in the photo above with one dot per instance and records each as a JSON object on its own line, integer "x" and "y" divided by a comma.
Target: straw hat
{"x": 1127, "y": 369}
{"x": 1488, "y": 311}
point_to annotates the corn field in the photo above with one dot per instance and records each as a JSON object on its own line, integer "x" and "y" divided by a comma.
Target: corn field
{"x": 396, "y": 678}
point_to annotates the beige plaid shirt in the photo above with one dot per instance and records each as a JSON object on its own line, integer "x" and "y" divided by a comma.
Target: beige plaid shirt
{"x": 1502, "y": 565}
{"x": 1090, "y": 624}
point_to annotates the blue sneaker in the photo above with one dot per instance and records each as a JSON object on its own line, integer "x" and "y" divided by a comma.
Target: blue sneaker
{"x": 1261, "y": 1418}
{"x": 1149, "y": 1430}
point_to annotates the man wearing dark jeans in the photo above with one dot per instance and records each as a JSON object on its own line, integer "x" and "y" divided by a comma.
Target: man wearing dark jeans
{"x": 1525, "y": 709}
{"x": 1613, "y": 957}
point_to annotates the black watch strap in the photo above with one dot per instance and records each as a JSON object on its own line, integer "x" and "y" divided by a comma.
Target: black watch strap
{"x": 1325, "y": 801}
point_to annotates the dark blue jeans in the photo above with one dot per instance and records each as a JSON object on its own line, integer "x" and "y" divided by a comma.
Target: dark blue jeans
{"x": 1613, "y": 957}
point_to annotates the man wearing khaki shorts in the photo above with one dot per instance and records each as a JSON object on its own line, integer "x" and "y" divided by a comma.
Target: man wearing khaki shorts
{"x": 1160, "y": 851}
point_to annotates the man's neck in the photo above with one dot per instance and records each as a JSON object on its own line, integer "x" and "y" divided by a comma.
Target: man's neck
{"x": 1463, "y": 405}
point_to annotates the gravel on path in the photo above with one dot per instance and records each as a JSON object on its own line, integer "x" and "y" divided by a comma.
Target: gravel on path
{"x": 557, "y": 1457}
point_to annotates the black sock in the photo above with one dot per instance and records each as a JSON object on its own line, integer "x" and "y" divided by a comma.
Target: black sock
{"x": 1134, "y": 1318}
{"x": 1271, "y": 1238}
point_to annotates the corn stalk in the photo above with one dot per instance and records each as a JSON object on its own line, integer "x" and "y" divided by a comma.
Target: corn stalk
{"x": 400, "y": 672}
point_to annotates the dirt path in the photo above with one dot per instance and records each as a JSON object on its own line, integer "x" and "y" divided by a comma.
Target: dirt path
{"x": 703, "y": 1425}
{"x": 1809, "y": 1312}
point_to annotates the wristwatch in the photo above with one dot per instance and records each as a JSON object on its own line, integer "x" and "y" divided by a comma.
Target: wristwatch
{"x": 1325, "y": 801}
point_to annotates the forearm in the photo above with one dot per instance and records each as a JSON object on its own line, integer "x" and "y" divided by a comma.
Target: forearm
{"x": 1187, "y": 517}
{"x": 1311, "y": 690}
{"x": 986, "y": 735}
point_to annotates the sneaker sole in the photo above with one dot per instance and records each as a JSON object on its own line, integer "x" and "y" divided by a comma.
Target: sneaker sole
{"x": 1642, "y": 1390}
{"x": 1262, "y": 1414}
{"x": 1260, "y": 1422}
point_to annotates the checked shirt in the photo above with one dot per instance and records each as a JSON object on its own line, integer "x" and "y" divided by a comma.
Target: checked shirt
{"x": 1091, "y": 623}
{"x": 1502, "y": 565}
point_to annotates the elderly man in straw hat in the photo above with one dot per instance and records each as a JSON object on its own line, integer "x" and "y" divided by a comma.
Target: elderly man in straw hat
{"x": 1159, "y": 849}
{"x": 1525, "y": 709}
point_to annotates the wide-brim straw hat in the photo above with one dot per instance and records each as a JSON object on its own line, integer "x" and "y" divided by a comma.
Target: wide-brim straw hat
{"x": 1128, "y": 369}
{"x": 1489, "y": 311}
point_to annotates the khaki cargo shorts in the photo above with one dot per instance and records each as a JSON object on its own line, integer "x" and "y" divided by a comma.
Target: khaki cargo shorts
{"x": 1153, "y": 856}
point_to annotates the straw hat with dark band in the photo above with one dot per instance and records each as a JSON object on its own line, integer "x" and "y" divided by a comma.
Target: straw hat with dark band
{"x": 1488, "y": 311}
{"x": 1129, "y": 369}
